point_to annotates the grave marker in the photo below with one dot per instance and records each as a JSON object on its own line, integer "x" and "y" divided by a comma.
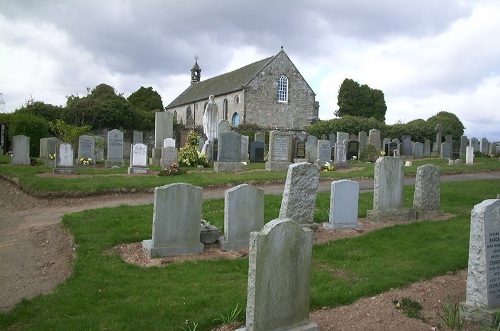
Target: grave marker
{"x": 115, "y": 149}
{"x": 138, "y": 159}
{"x": 280, "y": 149}
{"x": 20, "y": 150}
{"x": 426, "y": 198}
{"x": 344, "y": 199}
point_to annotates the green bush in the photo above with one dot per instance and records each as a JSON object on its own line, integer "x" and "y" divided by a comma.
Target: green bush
{"x": 30, "y": 125}
{"x": 189, "y": 155}
{"x": 368, "y": 153}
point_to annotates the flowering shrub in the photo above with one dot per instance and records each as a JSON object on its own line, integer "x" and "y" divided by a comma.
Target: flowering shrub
{"x": 85, "y": 161}
{"x": 189, "y": 155}
{"x": 368, "y": 153}
{"x": 171, "y": 171}
{"x": 382, "y": 153}
{"x": 327, "y": 167}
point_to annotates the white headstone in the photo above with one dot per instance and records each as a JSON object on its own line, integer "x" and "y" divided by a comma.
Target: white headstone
{"x": 469, "y": 155}
{"x": 168, "y": 142}
{"x": 344, "y": 199}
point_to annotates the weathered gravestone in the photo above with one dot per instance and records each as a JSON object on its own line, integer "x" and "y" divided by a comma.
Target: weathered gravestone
{"x": 243, "y": 213}
{"x": 280, "y": 151}
{"x": 374, "y": 139}
{"x": 392, "y": 149}
{"x": 164, "y": 128}
{"x": 311, "y": 148}
{"x": 333, "y": 139}
{"x": 176, "y": 221}
{"x": 455, "y": 153}
{"x": 445, "y": 151}
{"x": 406, "y": 146}
{"x": 324, "y": 152}
{"x": 418, "y": 150}
{"x": 20, "y": 150}
{"x": 65, "y": 158}
{"x": 469, "y": 155}
{"x": 426, "y": 198}
{"x": 362, "y": 139}
{"x": 340, "y": 156}
{"x": 257, "y": 151}
{"x": 474, "y": 143}
{"x": 138, "y": 159}
{"x": 342, "y": 137}
{"x": 299, "y": 196}
{"x": 244, "y": 148}
{"x": 168, "y": 157}
{"x": 427, "y": 147}
{"x": 86, "y": 148}
{"x": 48, "y": 150}
{"x": 482, "y": 300}
{"x": 224, "y": 126}
{"x": 137, "y": 137}
{"x": 344, "y": 197}
{"x": 229, "y": 153}
{"x": 115, "y": 149}
{"x": 483, "y": 145}
{"x": 279, "y": 278}
{"x": 260, "y": 136}
{"x": 464, "y": 142}
{"x": 388, "y": 192}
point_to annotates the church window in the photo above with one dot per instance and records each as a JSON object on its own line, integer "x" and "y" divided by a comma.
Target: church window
{"x": 175, "y": 116}
{"x": 188, "y": 113}
{"x": 235, "y": 120}
{"x": 237, "y": 99}
{"x": 282, "y": 88}
{"x": 224, "y": 109}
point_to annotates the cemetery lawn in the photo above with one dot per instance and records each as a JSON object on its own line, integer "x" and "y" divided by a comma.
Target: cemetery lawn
{"x": 104, "y": 292}
{"x": 91, "y": 180}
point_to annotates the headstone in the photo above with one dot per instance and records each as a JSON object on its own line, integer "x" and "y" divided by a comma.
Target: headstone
{"x": 20, "y": 150}
{"x": 392, "y": 149}
{"x": 260, "y": 136}
{"x": 492, "y": 149}
{"x": 448, "y": 139}
{"x": 385, "y": 143}
{"x": 115, "y": 149}
{"x": 344, "y": 198}
{"x": 2, "y": 138}
{"x": 427, "y": 147}
{"x": 418, "y": 150}
{"x": 482, "y": 299}
{"x": 388, "y": 192}
{"x": 280, "y": 149}
{"x": 168, "y": 157}
{"x": 445, "y": 150}
{"x": 464, "y": 142}
{"x": 406, "y": 145}
{"x": 362, "y": 139}
{"x": 340, "y": 156}
{"x": 168, "y": 142}
{"x": 342, "y": 136}
{"x": 224, "y": 126}
{"x": 229, "y": 153}
{"x": 299, "y": 196}
{"x": 244, "y": 148}
{"x": 137, "y": 137}
{"x": 439, "y": 137}
{"x": 257, "y": 151}
{"x": 279, "y": 278}
{"x": 138, "y": 159}
{"x": 469, "y": 155}
{"x": 48, "y": 150}
{"x": 176, "y": 221}
{"x": 483, "y": 145}
{"x": 333, "y": 139}
{"x": 324, "y": 152}
{"x": 474, "y": 143}
{"x": 312, "y": 148}
{"x": 164, "y": 128}
{"x": 243, "y": 213}
{"x": 426, "y": 198}
{"x": 374, "y": 139}
{"x": 65, "y": 158}
{"x": 352, "y": 150}
{"x": 86, "y": 148}
{"x": 300, "y": 151}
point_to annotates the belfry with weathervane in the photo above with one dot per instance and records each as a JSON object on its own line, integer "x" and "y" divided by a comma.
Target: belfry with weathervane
{"x": 270, "y": 93}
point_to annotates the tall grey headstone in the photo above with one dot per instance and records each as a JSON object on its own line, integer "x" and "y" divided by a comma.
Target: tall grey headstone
{"x": 20, "y": 150}
{"x": 445, "y": 150}
{"x": 388, "y": 191}
{"x": 168, "y": 156}
{"x": 362, "y": 139}
{"x": 115, "y": 149}
{"x": 176, "y": 221}
{"x": 280, "y": 151}
{"x": 244, "y": 148}
{"x": 426, "y": 198}
{"x": 427, "y": 147}
{"x": 340, "y": 155}
{"x": 333, "y": 139}
{"x": 312, "y": 148}
{"x": 257, "y": 151}
{"x": 48, "y": 150}
{"x": 324, "y": 152}
{"x": 418, "y": 150}
{"x": 243, "y": 213}
{"x": 483, "y": 145}
{"x": 164, "y": 128}
{"x": 464, "y": 142}
{"x": 229, "y": 153}
{"x": 86, "y": 147}
{"x": 342, "y": 137}
{"x": 344, "y": 197}
{"x": 374, "y": 139}
{"x": 137, "y": 137}
{"x": 439, "y": 137}
{"x": 279, "y": 278}
{"x": 482, "y": 299}
{"x": 224, "y": 126}
{"x": 299, "y": 196}
{"x": 474, "y": 143}
{"x": 406, "y": 145}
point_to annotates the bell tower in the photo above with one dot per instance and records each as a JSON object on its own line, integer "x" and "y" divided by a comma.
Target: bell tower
{"x": 195, "y": 72}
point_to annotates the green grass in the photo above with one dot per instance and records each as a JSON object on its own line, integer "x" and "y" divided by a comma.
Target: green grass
{"x": 106, "y": 293}
{"x": 90, "y": 179}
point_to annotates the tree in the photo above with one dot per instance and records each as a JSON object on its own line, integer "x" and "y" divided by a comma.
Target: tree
{"x": 39, "y": 108}
{"x": 450, "y": 123}
{"x": 66, "y": 132}
{"x": 360, "y": 101}
{"x": 30, "y": 125}
{"x": 146, "y": 99}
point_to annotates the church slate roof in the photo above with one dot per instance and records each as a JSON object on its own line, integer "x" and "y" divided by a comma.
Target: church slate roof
{"x": 222, "y": 84}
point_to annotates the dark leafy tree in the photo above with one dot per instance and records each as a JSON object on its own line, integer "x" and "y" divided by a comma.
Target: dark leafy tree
{"x": 146, "y": 99}
{"x": 30, "y": 125}
{"x": 39, "y": 108}
{"x": 360, "y": 101}
{"x": 449, "y": 122}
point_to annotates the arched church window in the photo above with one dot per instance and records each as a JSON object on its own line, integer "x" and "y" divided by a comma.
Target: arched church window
{"x": 224, "y": 109}
{"x": 175, "y": 116}
{"x": 188, "y": 113}
{"x": 235, "y": 119}
{"x": 236, "y": 99}
{"x": 282, "y": 88}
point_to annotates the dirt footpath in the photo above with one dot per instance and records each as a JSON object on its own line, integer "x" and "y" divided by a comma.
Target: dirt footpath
{"x": 36, "y": 255}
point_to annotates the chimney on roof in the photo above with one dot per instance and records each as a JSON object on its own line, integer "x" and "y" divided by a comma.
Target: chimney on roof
{"x": 195, "y": 72}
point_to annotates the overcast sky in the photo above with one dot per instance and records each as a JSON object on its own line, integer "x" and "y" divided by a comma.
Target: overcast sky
{"x": 426, "y": 56}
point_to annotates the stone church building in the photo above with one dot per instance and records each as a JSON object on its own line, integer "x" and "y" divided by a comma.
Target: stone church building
{"x": 270, "y": 93}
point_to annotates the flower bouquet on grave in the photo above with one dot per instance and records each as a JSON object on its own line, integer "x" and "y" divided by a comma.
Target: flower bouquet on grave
{"x": 85, "y": 161}
{"x": 327, "y": 167}
{"x": 173, "y": 170}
